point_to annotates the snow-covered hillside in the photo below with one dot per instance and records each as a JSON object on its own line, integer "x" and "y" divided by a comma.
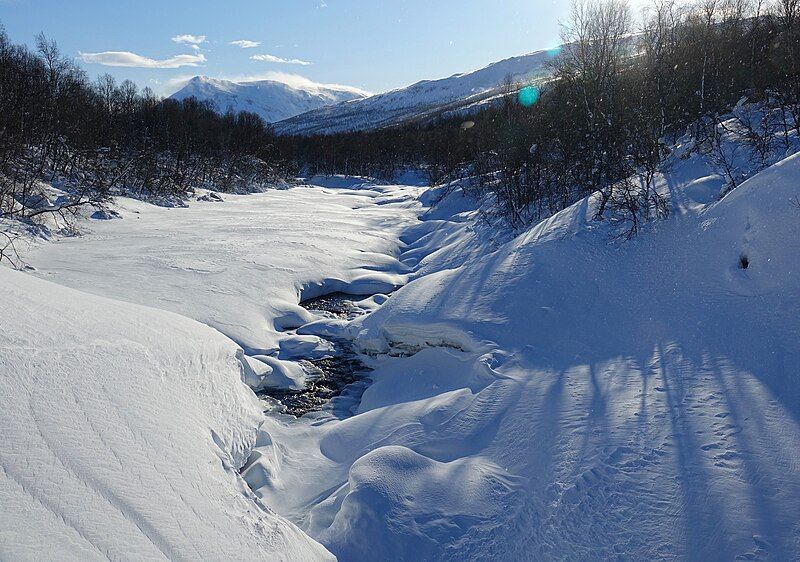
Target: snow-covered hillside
{"x": 272, "y": 100}
{"x": 422, "y": 100}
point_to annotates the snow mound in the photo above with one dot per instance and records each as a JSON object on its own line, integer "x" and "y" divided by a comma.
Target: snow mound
{"x": 123, "y": 429}
{"x": 399, "y": 505}
{"x": 562, "y": 282}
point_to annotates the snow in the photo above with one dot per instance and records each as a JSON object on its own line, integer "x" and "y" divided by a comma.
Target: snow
{"x": 123, "y": 428}
{"x": 242, "y": 265}
{"x": 384, "y": 483}
{"x": 423, "y": 99}
{"x": 271, "y": 99}
{"x": 556, "y": 394}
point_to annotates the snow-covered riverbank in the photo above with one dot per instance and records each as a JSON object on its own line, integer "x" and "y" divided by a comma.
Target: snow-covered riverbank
{"x": 124, "y": 426}
{"x": 242, "y": 266}
{"x": 555, "y": 395}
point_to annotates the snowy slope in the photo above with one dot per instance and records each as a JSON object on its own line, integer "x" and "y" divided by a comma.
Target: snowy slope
{"x": 421, "y": 100}
{"x": 272, "y": 100}
{"x": 568, "y": 397}
{"x": 123, "y": 428}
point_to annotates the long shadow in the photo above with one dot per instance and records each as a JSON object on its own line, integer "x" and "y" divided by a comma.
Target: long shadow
{"x": 696, "y": 503}
{"x": 759, "y": 473}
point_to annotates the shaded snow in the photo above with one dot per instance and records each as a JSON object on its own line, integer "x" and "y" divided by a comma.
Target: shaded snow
{"x": 603, "y": 400}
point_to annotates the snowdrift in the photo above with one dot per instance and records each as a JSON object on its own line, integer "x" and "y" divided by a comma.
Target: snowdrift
{"x": 123, "y": 429}
{"x": 565, "y": 294}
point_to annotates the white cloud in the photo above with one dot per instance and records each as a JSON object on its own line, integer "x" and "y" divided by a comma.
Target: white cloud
{"x": 279, "y": 60}
{"x": 297, "y": 81}
{"x": 132, "y": 60}
{"x": 246, "y": 44}
{"x": 194, "y": 40}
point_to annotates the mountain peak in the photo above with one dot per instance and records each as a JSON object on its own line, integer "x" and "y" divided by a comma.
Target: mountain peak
{"x": 274, "y": 100}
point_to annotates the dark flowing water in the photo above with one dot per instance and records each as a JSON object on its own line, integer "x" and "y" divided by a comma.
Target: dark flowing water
{"x": 338, "y": 380}
{"x": 335, "y": 305}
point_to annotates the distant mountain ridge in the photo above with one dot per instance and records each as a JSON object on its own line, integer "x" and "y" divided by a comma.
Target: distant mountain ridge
{"x": 309, "y": 108}
{"x": 271, "y": 99}
{"x": 423, "y": 100}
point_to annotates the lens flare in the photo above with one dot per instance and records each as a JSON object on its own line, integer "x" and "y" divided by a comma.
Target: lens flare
{"x": 529, "y": 96}
{"x": 555, "y": 51}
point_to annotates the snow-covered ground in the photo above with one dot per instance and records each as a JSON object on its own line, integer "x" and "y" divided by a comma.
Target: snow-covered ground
{"x": 124, "y": 426}
{"x": 557, "y": 395}
{"x": 123, "y": 429}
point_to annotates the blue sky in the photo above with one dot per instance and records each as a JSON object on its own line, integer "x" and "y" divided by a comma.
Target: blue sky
{"x": 370, "y": 44}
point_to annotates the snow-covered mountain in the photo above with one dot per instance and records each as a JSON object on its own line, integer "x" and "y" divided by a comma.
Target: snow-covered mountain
{"x": 419, "y": 101}
{"x": 271, "y": 99}
{"x": 305, "y": 107}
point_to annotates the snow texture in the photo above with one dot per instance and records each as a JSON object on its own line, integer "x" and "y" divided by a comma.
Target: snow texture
{"x": 570, "y": 397}
{"x": 242, "y": 265}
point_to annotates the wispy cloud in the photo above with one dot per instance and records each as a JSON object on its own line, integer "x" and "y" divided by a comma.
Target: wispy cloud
{"x": 298, "y": 81}
{"x": 194, "y": 41}
{"x": 246, "y": 44}
{"x": 132, "y": 60}
{"x": 190, "y": 39}
{"x": 279, "y": 60}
